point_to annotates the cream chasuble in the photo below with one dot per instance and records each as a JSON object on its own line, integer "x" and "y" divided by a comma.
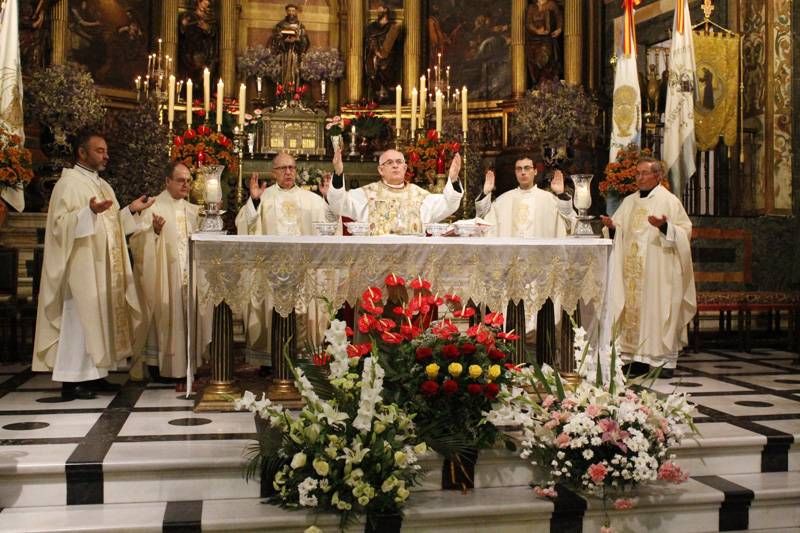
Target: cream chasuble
{"x": 162, "y": 270}
{"x": 529, "y": 213}
{"x": 404, "y": 210}
{"x": 652, "y": 293}
{"x": 283, "y": 212}
{"x": 87, "y": 282}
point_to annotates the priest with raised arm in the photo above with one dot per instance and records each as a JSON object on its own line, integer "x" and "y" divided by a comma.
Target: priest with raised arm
{"x": 652, "y": 287}
{"x": 391, "y": 205}
{"x": 89, "y": 315}
{"x": 161, "y": 264}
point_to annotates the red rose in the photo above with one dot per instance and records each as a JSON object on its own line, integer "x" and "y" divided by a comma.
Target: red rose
{"x": 475, "y": 389}
{"x": 450, "y": 351}
{"x": 189, "y": 134}
{"x": 468, "y": 348}
{"x": 496, "y": 355}
{"x": 423, "y": 353}
{"x": 491, "y": 390}
{"x": 429, "y": 388}
{"x": 450, "y": 387}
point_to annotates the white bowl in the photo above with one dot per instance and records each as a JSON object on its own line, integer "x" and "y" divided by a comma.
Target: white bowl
{"x": 436, "y": 229}
{"x": 357, "y": 228}
{"x": 325, "y": 228}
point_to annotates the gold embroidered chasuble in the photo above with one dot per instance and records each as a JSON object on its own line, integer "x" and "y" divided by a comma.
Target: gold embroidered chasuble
{"x": 652, "y": 292}
{"x": 94, "y": 270}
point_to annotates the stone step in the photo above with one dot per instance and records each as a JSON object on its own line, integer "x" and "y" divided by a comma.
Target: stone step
{"x": 763, "y": 502}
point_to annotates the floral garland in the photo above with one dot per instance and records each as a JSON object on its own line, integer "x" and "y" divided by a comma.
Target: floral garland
{"x": 202, "y": 146}
{"x": 15, "y": 161}
{"x": 427, "y": 157}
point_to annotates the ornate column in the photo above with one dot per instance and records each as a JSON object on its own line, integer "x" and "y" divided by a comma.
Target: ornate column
{"x": 519, "y": 74}
{"x": 59, "y": 31}
{"x": 228, "y": 12}
{"x": 413, "y": 45}
{"x": 168, "y": 30}
{"x": 355, "y": 49}
{"x": 594, "y": 45}
{"x": 573, "y": 41}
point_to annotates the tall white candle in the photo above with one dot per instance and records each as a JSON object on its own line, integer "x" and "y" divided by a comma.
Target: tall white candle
{"x": 398, "y": 107}
{"x": 220, "y": 91}
{"x": 189, "y": 102}
{"x": 423, "y": 95}
{"x": 583, "y": 198}
{"x": 242, "y": 96}
{"x": 414, "y": 96}
{"x": 464, "y": 109}
{"x": 171, "y": 100}
{"x": 438, "y": 111}
{"x": 213, "y": 191}
{"x": 206, "y": 91}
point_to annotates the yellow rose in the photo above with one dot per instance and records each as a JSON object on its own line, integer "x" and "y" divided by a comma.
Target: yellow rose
{"x": 475, "y": 371}
{"x": 432, "y": 370}
{"x": 494, "y": 371}
{"x": 455, "y": 369}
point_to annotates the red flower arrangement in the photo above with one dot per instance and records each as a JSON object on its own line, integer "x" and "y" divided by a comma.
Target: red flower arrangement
{"x": 289, "y": 93}
{"x": 428, "y": 157}
{"x": 15, "y": 160}
{"x": 202, "y": 146}
{"x": 620, "y": 175}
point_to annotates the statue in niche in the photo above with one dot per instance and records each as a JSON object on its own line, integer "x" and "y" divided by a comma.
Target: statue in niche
{"x": 381, "y": 53}
{"x": 198, "y": 41}
{"x": 290, "y": 41}
{"x": 544, "y": 24}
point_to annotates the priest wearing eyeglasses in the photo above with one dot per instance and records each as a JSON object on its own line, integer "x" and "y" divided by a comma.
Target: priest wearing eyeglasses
{"x": 391, "y": 205}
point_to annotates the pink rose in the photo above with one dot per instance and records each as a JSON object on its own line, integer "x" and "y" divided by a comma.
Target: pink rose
{"x": 593, "y": 410}
{"x": 548, "y": 400}
{"x": 672, "y": 473}
{"x": 562, "y": 441}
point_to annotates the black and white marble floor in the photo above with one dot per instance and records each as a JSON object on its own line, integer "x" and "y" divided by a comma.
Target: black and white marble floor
{"x": 142, "y": 460}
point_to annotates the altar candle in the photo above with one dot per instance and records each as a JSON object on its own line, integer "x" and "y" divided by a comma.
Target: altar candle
{"x": 438, "y": 111}
{"x": 171, "y": 100}
{"x": 206, "y": 91}
{"x": 213, "y": 192}
{"x": 583, "y": 198}
{"x": 189, "y": 102}
{"x": 353, "y": 133}
{"x": 464, "y": 109}
{"x": 423, "y": 94}
{"x": 414, "y": 96}
{"x": 220, "y": 90}
{"x": 242, "y": 96}
{"x": 398, "y": 104}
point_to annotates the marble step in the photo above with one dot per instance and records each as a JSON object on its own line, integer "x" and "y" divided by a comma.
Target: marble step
{"x": 213, "y": 469}
{"x": 763, "y": 502}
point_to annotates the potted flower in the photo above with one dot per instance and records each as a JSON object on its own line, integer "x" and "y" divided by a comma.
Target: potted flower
{"x": 428, "y": 158}
{"x": 620, "y": 176}
{"x": 15, "y": 170}
{"x": 64, "y": 100}
{"x": 202, "y": 146}
{"x": 348, "y": 450}
{"x": 601, "y": 439}
{"x": 554, "y": 116}
{"x": 290, "y": 95}
{"x": 322, "y": 65}
{"x": 448, "y": 377}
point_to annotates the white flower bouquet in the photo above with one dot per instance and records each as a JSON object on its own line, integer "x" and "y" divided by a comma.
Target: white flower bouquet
{"x": 600, "y": 439}
{"x": 345, "y": 451}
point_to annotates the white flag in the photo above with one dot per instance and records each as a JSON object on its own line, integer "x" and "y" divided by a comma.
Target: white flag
{"x": 11, "y": 87}
{"x": 679, "y": 144}
{"x": 626, "y": 117}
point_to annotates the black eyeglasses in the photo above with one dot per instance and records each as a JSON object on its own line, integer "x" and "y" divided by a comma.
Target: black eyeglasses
{"x": 398, "y": 162}
{"x": 284, "y": 168}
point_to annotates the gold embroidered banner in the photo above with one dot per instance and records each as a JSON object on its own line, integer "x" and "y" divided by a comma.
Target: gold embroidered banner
{"x": 715, "y": 107}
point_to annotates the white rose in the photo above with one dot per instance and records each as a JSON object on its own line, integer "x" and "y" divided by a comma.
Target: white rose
{"x": 321, "y": 467}
{"x": 298, "y": 461}
{"x": 312, "y": 432}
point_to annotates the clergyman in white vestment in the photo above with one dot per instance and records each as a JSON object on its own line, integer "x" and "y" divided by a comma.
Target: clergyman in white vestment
{"x": 161, "y": 265}
{"x": 89, "y": 313}
{"x": 652, "y": 292}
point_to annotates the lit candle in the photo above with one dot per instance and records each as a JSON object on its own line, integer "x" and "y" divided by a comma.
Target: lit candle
{"x": 178, "y": 89}
{"x": 171, "y": 100}
{"x": 189, "y": 102}
{"x": 423, "y": 94}
{"x": 583, "y": 198}
{"x": 438, "y": 112}
{"x": 464, "y": 109}
{"x": 353, "y": 133}
{"x": 206, "y": 90}
{"x": 213, "y": 192}
{"x": 242, "y": 96}
{"x": 398, "y": 104}
{"x": 220, "y": 90}
{"x": 414, "y": 96}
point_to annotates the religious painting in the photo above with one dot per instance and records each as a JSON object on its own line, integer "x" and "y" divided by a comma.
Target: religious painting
{"x": 544, "y": 31}
{"x": 198, "y": 41}
{"x": 473, "y": 38}
{"x": 110, "y": 37}
{"x": 34, "y": 34}
{"x": 391, "y": 4}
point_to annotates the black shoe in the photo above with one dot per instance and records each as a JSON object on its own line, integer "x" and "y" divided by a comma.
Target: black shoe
{"x": 76, "y": 391}
{"x": 101, "y": 385}
{"x": 635, "y": 369}
{"x": 667, "y": 373}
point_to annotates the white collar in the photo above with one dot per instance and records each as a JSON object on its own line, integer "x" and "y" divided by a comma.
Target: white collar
{"x": 396, "y": 187}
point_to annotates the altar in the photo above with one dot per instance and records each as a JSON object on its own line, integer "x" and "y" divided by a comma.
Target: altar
{"x": 293, "y": 271}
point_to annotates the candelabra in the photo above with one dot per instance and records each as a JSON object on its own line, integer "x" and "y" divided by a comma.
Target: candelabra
{"x": 467, "y": 202}
{"x": 159, "y": 67}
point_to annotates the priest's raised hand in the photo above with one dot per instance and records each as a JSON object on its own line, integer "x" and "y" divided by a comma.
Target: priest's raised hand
{"x": 141, "y": 203}
{"x": 256, "y": 190}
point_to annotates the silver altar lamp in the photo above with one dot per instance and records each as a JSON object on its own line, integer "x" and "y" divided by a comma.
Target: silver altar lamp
{"x": 583, "y": 201}
{"x": 212, "y": 176}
